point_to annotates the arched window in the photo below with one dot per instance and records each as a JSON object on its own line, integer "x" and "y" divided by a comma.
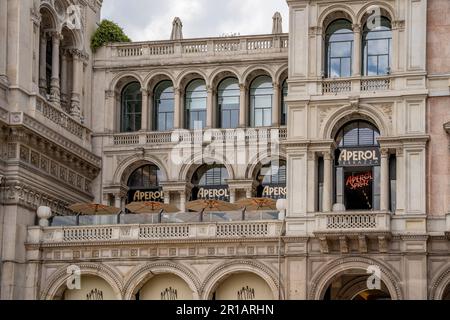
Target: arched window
{"x": 261, "y": 99}
{"x": 210, "y": 183}
{"x": 272, "y": 180}
{"x": 144, "y": 184}
{"x": 358, "y": 160}
{"x": 228, "y": 101}
{"x": 164, "y": 106}
{"x": 377, "y": 48}
{"x": 339, "y": 49}
{"x": 196, "y": 96}
{"x": 131, "y": 115}
{"x": 283, "y": 104}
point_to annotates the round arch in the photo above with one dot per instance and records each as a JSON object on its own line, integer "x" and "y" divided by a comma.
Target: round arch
{"x": 221, "y": 272}
{"x": 222, "y": 73}
{"x": 347, "y": 113}
{"x": 127, "y": 167}
{"x": 140, "y": 275}
{"x": 333, "y": 13}
{"x": 56, "y": 283}
{"x": 258, "y": 160}
{"x": 440, "y": 284}
{"x": 253, "y": 72}
{"x": 120, "y": 80}
{"x": 188, "y": 169}
{"x": 324, "y": 277}
{"x": 185, "y": 77}
{"x": 282, "y": 74}
{"x": 386, "y": 9}
{"x": 153, "y": 79}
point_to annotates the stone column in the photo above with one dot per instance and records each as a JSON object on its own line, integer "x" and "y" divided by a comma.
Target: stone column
{"x": 356, "y": 67}
{"x": 144, "y": 121}
{"x": 166, "y": 197}
{"x": 249, "y": 193}
{"x": 243, "y": 106}
{"x": 182, "y": 201}
{"x": 210, "y": 108}
{"x": 276, "y": 113}
{"x": 384, "y": 184}
{"x": 43, "y": 64}
{"x": 327, "y": 182}
{"x": 75, "y": 107}
{"x": 55, "y": 83}
{"x": 3, "y": 39}
{"x": 118, "y": 200}
{"x": 312, "y": 181}
{"x": 64, "y": 77}
{"x": 177, "y": 119}
{"x": 232, "y": 195}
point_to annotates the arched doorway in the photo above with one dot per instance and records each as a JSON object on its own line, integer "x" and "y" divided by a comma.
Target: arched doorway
{"x": 355, "y": 285}
{"x": 446, "y": 295}
{"x": 91, "y": 288}
{"x": 357, "y": 166}
{"x": 165, "y": 287}
{"x": 242, "y": 286}
{"x": 210, "y": 182}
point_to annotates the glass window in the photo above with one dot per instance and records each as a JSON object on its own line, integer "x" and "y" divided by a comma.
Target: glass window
{"x": 146, "y": 177}
{"x": 339, "y": 49}
{"x": 196, "y": 99}
{"x": 164, "y": 106}
{"x": 228, "y": 101}
{"x": 131, "y": 115}
{"x": 377, "y": 49}
{"x": 261, "y": 99}
{"x": 358, "y": 134}
{"x": 283, "y": 104}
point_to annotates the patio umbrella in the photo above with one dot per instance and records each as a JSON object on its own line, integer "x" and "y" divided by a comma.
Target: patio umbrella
{"x": 93, "y": 209}
{"x": 256, "y": 204}
{"x": 204, "y": 205}
{"x": 152, "y": 207}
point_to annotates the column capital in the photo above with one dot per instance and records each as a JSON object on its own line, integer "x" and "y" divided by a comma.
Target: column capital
{"x": 144, "y": 91}
{"x": 328, "y": 155}
{"x": 78, "y": 54}
{"x": 399, "y": 152}
{"x": 384, "y": 152}
{"x": 55, "y": 35}
{"x": 356, "y": 27}
{"x": 276, "y": 85}
{"x": 242, "y": 86}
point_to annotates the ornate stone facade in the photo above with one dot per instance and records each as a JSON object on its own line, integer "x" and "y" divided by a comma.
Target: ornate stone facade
{"x": 64, "y": 140}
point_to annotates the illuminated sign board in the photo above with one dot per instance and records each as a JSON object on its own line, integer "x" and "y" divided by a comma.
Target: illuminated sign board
{"x": 360, "y": 181}
{"x": 150, "y": 195}
{"x": 358, "y": 157}
{"x": 213, "y": 193}
{"x": 274, "y": 192}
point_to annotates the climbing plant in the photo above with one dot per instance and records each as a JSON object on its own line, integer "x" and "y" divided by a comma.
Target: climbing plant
{"x": 108, "y": 32}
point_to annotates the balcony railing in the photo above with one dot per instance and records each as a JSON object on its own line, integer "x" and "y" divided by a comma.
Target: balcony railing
{"x": 90, "y": 234}
{"x": 364, "y": 85}
{"x": 202, "y": 47}
{"x": 62, "y": 119}
{"x": 353, "y": 222}
{"x": 258, "y": 135}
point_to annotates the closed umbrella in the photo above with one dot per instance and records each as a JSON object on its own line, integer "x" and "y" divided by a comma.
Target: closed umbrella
{"x": 205, "y": 205}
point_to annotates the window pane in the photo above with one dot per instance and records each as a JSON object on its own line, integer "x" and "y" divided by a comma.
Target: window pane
{"x": 346, "y": 67}
{"x": 372, "y": 68}
{"x": 340, "y": 50}
{"x": 335, "y": 68}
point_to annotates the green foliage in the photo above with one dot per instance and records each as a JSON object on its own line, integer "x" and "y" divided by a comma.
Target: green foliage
{"x": 107, "y": 32}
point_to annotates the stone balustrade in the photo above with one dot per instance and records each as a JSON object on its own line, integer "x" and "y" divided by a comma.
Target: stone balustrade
{"x": 338, "y": 86}
{"x": 154, "y": 232}
{"x": 259, "y": 135}
{"x": 200, "y": 47}
{"x": 353, "y": 222}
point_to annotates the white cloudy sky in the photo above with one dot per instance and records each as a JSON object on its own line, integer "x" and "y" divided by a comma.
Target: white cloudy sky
{"x": 152, "y": 19}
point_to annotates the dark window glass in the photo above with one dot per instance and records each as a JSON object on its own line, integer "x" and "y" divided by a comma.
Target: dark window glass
{"x": 146, "y": 177}
{"x": 229, "y": 103}
{"x": 274, "y": 173}
{"x": 284, "y": 105}
{"x": 261, "y": 98}
{"x": 356, "y": 134}
{"x": 210, "y": 175}
{"x": 377, "y": 49}
{"x": 196, "y": 98}
{"x": 339, "y": 49}
{"x": 164, "y": 106}
{"x": 131, "y": 114}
